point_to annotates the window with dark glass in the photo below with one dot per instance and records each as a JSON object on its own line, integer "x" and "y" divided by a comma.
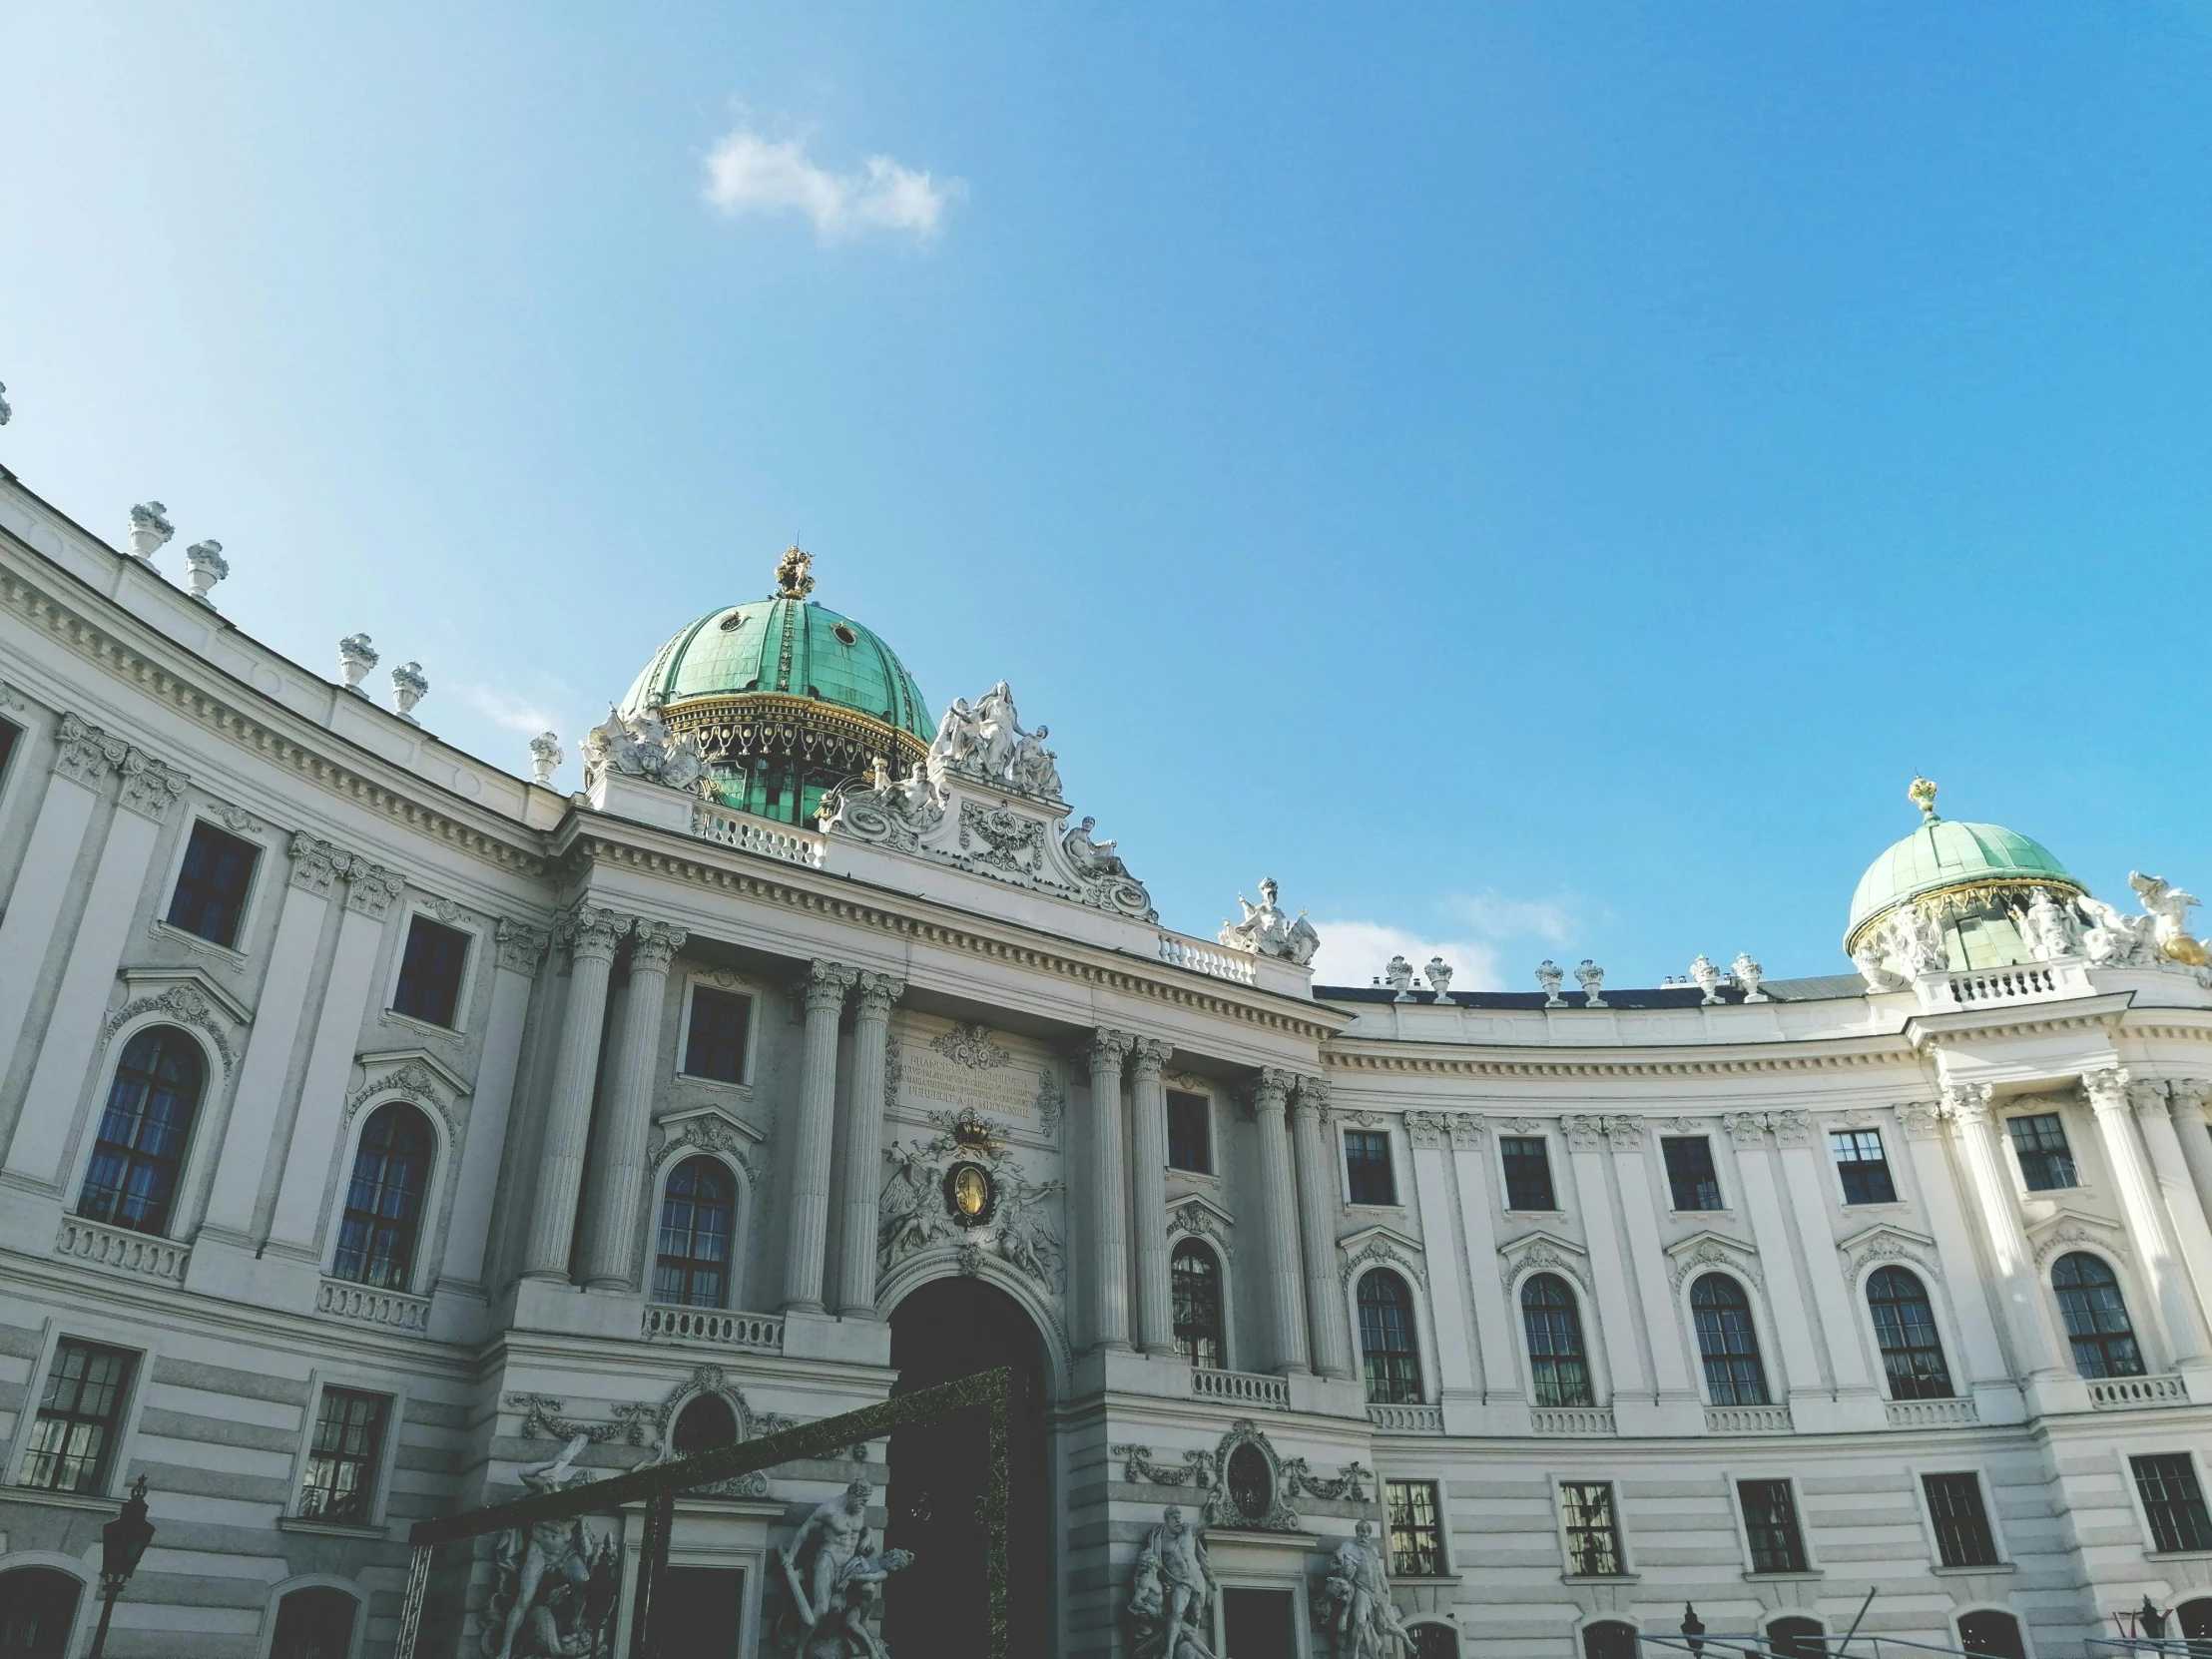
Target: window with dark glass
{"x": 2095, "y": 1315}
{"x": 1558, "y": 1367}
{"x": 10, "y": 735}
{"x": 1417, "y": 1529}
{"x": 2173, "y": 1501}
{"x": 1388, "y": 1360}
{"x": 210, "y": 887}
{"x": 1963, "y": 1535}
{"x": 1726, "y": 1341}
{"x": 703, "y": 1425}
{"x": 140, "y": 1144}
{"x": 1189, "y": 1133}
{"x": 1436, "y": 1641}
{"x": 698, "y": 1216}
{"x": 314, "y": 1623}
{"x": 2047, "y": 1161}
{"x": 1367, "y": 1173}
{"x": 2195, "y": 1617}
{"x": 1593, "y": 1534}
{"x": 38, "y": 1607}
{"x": 1864, "y": 1166}
{"x": 1771, "y": 1525}
{"x": 1608, "y": 1639}
{"x": 431, "y": 972}
{"x": 1992, "y": 1633}
{"x": 79, "y": 1417}
{"x": 1194, "y": 1277}
{"x": 383, "y": 1201}
{"x": 1691, "y": 1178}
{"x": 713, "y": 1048}
{"x": 1905, "y": 1329}
{"x": 341, "y": 1463}
{"x": 1795, "y": 1638}
{"x": 1527, "y": 1172}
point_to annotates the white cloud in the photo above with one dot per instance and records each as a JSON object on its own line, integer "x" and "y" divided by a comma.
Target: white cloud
{"x": 1353, "y": 952}
{"x": 1494, "y": 916}
{"x": 505, "y": 708}
{"x": 747, "y": 173}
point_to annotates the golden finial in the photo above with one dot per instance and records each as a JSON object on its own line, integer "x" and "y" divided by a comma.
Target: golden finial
{"x": 1921, "y": 794}
{"x": 794, "y": 574}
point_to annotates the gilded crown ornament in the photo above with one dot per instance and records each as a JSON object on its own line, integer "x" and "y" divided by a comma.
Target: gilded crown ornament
{"x": 1922, "y": 793}
{"x": 795, "y": 573}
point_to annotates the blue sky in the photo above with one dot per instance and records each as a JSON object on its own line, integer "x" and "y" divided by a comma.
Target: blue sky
{"x": 1536, "y": 480}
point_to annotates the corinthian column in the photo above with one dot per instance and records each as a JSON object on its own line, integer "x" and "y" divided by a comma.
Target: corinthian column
{"x": 2184, "y": 1212}
{"x": 1148, "y": 1099}
{"x": 2178, "y": 1317}
{"x": 591, "y": 936}
{"x": 2035, "y": 1348}
{"x": 627, "y": 1113}
{"x": 1279, "y": 1248}
{"x": 1317, "y": 1210}
{"x": 1109, "y": 1195}
{"x": 2185, "y": 1102}
{"x": 860, "y": 1179}
{"x": 824, "y": 988}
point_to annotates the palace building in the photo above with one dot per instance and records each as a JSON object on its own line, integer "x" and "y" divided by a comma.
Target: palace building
{"x": 383, "y": 1133}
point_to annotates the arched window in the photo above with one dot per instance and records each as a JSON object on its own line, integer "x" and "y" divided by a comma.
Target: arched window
{"x": 314, "y": 1623}
{"x": 1196, "y": 1277}
{"x": 2195, "y": 1619}
{"x": 1436, "y": 1641}
{"x": 2096, "y": 1313}
{"x": 699, "y": 1213}
{"x": 1557, "y": 1364}
{"x": 1795, "y": 1638}
{"x": 1386, "y": 1352}
{"x": 38, "y": 1607}
{"x": 704, "y": 1424}
{"x": 383, "y": 1201}
{"x": 1726, "y": 1341}
{"x": 1608, "y": 1639}
{"x": 1991, "y": 1632}
{"x": 1905, "y": 1327}
{"x": 131, "y": 1179}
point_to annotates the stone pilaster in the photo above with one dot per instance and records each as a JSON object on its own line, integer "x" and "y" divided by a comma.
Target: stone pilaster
{"x": 2036, "y": 1350}
{"x": 1855, "y": 1403}
{"x": 1674, "y": 1391}
{"x": 521, "y": 947}
{"x": 1429, "y": 1132}
{"x": 1108, "y": 1251}
{"x": 860, "y": 1180}
{"x": 1981, "y": 1360}
{"x": 626, "y": 1114}
{"x": 1268, "y": 1095}
{"x": 1624, "y": 1353}
{"x": 1317, "y": 1210}
{"x": 2180, "y": 1319}
{"x": 1476, "y": 1177}
{"x": 823, "y": 991}
{"x": 591, "y": 936}
{"x": 1148, "y": 1102}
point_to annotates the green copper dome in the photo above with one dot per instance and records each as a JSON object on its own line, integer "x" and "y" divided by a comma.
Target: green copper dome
{"x": 1942, "y": 855}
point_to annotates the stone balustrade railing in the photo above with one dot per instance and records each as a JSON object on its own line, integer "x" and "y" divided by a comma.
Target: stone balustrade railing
{"x": 754, "y": 1332}
{"x": 2122, "y": 1394}
{"x": 1241, "y": 1388}
{"x": 1748, "y": 1420}
{"x": 2022, "y": 982}
{"x": 751, "y": 834}
{"x": 1572, "y": 1419}
{"x": 1232, "y": 965}
{"x": 364, "y": 1304}
{"x": 1932, "y": 1413}
{"x": 1407, "y": 1419}
{"x": 138, "y": 1254}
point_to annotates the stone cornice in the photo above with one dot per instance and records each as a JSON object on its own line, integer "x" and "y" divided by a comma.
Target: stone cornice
{"x": 2028, "y": 1019}
{"x": 1381, "y": 1057}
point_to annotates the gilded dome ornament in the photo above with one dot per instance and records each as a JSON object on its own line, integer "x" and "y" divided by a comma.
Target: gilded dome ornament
{"x": 795, "y": 573}
{"x": 1922, "y": 793}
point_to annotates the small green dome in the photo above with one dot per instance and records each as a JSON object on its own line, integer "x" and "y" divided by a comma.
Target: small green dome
{"x": 788, "y": 647}
{"x": 1941, "y": 854}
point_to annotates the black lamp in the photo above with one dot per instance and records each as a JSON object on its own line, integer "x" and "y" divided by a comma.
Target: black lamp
{"x": 2150, "y": 1620}
{"x": 123, "y": 1544}
{"x": 1692, "y": 1628}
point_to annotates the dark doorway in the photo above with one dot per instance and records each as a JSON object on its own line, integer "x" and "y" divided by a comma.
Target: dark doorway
{"x": 37, "y": 1607}
{"x": 954, "y": 1328}
{"x": 1795, "y": 1638}
{"x": 1257, "y": 1624}
{"x": 1992, "y": 1633}
{"x": 700, "y": 1609}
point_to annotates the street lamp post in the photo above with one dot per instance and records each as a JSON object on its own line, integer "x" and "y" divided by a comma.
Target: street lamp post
{"x": 122, "y": 1543}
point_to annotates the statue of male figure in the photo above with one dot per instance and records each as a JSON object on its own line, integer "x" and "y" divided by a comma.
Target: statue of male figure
{"x": 547, "y": 1544}
{"x": 1186, "y": 1580}
{"x": 834, "y": 1533}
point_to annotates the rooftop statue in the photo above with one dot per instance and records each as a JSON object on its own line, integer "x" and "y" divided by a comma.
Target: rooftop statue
{"x": 986, "y": 743}
{"x": 795, "y": 577}
{"x": 2169, "y": 907}
{"x": 640, "y": 746}
{"x": 1267, "y": 931}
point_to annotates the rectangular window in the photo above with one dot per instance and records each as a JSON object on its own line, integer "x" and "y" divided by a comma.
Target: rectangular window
{"x": 2174, "y": 1502}
{"x": 1189, "y": 1133}
{"x": 1368, "y": 1167}
{"x": 1864, "y": 1166}
{"x": 210, "y": 887}
{"x": 1771, "y": 1524}
{"x": 342, "y": 1466}
{"x": 80, "y": 1419}
{"x": 1963, "y": 1535}
{"x": 1696, "y": 1185}
{"x": 1527, "y": 1172}
{"x": 10, "y": 733}
{"x": 2047, "y": 1161}
{"x": 1417, "y": 1529}
{"x": 714, "y": 1045}
{"x": 431, "y": 972}
{"x": 1593, "y": 1536}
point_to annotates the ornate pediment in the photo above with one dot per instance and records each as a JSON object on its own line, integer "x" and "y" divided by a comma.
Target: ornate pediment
{"x": 1382, "y": 1247}
{"x": 1887, "y": 1242}
{"x": 2066, "y": 1229}
{"x": 1708, "y": 1249}
{"x": 1544, "y": 1252}
{"x": 1194, "y": 1214}
{"x": 710, "y": 1129}
{"x": 185, "y": 996}
{"x": 408, "y": 1074}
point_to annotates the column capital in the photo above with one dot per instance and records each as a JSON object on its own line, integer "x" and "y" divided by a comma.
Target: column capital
{"x": 590, "y": 933}
{"x": 2148, "y": 1096}
{"x": 653, "y": 944}
{"x": 521, "y": 945}
{"x": 1625, "y": 1133}
{"x": 875, "y": 992}
{"x": 1106, "y": 1047}
{"x": 1147, "y": 1055}
{"x": 372, "y": 889}
{"x": 1920, "y": 1118}
{"x": 1466, "y": 1130}
{"x": 1967, "y": 1104}
{"x": 150, "y": 786}
{"x": 315, "y": 863}
{"x": 1586, "y": 1131}
{"x": 1745, "y": 1129}
{"x": 1426, "y": 1129}
{"x": 1310, "y": 1096}
{"x": 84, "y": 754}
{"x": 823, "y": 985}
{"x": 2185, "y": 1098}
{"x": 1791, "y": 1128}
{"x": 2106, "y": 1088}
{"x": 1267, "y": 1091}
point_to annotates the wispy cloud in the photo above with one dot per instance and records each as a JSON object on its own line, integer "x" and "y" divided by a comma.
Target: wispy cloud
{"x": 749, "y": 174}
{"x": 1496, "y": 916}
{"x": 1471, "y": 939}
{"x": 504, "y": 708}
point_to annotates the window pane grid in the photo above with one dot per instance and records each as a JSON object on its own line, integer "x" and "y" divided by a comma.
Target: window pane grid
{"x": 1528, "y": 1173}
{"x": 1593, "y": 1538}
{"x": 139, "y": 1147}
{"x": 2047, "y": 1161}
{"x": 1963, "y": 1535}
{"x": 1771, "y": 1525}
{"x": 1190, "y": 1141}
{"x": 1392, "y": 1367}
{"x": 690, "y": 1269}
{"x": 1195, "y": 1277}
{"x": 1727, "y": 1342}
{"x": 431, "y": 972}
{"x": 74, "y": 1434}
{"x": 713, "y": 1048}
{"x": 342, "y": 1466}
{"x": 212, "y": 883}
{"x": 1417, "y": 1529}
{"x": 1864, "y": 1166}
{"x": 2096, "y": 1315}
{"x": 1559, "y": 1371}
{"x": 383, "y": 1201}
{"x": 1905, "y": 1327}
{"x": 2174, "y": 1504}
{"x": 1692, "y": 1181}
{"x": 1368, "y": 1167}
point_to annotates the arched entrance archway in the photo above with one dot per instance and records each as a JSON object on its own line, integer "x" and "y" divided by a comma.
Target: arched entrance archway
{"x": 947, "y": 1328}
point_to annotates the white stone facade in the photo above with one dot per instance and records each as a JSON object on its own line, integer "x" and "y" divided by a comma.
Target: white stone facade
{"x": 962, "y": 957}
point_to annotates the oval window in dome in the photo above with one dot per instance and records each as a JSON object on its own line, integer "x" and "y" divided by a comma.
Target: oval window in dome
{"x": 846, "y": 636}
{"x": 733, "y": 621}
